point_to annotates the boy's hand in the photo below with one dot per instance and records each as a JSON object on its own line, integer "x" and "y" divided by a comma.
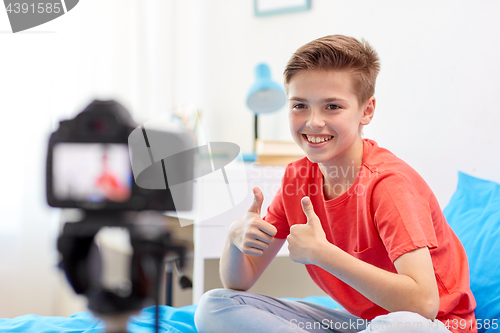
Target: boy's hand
{"x": 306, "y": 240}
{"x": 251, "y": 234}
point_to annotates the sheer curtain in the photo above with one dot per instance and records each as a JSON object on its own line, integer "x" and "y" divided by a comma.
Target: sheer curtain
{"x": 121, "y": 49}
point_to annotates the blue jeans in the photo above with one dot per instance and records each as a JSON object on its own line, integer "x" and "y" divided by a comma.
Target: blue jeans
{"x": 225, "y": 310}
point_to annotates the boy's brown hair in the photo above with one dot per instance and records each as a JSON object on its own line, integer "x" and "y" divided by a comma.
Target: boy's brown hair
{"x": 342, "y": 53}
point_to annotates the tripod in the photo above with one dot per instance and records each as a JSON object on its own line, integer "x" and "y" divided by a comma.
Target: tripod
{"x": 150, "y": 244}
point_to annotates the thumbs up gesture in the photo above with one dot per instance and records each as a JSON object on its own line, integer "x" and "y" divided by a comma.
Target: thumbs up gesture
{"x": 305, "y": 241}
{"x": 251, "y": 234}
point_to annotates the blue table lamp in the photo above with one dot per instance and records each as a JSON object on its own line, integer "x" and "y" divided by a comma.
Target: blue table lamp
{"x": 265, "y": 95}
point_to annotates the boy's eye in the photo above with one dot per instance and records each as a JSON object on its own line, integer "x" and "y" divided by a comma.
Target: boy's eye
{"x": 299, "y": 106}
{"x": 332, "y": 107}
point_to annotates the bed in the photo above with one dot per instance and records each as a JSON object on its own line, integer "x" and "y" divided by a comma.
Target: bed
{"x": 173, "y": 320}
{"x": 473, "y": 212}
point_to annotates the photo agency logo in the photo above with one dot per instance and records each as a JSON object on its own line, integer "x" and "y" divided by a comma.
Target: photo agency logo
{"x": 26, "y": 14}
{"x": 167, "y": 152}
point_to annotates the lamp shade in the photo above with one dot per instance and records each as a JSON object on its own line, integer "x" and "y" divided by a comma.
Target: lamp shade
{"x": 265, "y": 95}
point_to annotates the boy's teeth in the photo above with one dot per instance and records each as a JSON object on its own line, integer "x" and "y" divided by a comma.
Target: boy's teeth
{"x": 316, "y": 139}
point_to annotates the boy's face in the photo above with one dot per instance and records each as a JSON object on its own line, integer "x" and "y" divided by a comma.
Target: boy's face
{"x": 325, "y": 117}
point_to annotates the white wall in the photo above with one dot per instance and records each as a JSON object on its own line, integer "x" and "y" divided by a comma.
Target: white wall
{"x": 437, "y": 93}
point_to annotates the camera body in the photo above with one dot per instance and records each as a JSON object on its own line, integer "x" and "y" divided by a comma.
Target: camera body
{"x": 89, "y": 164}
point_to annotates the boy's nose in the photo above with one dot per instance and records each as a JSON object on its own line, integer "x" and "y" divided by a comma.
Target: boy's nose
{"x": 315, "y": 120}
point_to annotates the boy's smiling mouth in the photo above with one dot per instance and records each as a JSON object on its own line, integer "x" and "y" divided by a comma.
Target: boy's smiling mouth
{"x": 315, "y": 139}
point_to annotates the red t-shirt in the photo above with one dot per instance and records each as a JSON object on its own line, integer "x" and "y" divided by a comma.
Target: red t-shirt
{"x": 388, "y": 211}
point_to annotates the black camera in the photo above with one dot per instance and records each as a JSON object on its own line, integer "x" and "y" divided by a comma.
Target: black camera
{"x": 102, "y": 162}
{"x": 92, "y": 158}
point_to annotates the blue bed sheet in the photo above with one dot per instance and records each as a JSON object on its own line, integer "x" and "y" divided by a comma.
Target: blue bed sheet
{"x": 173, "y": 320}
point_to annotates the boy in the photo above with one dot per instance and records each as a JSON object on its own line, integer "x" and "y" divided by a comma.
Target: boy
{"x": 366, "y": 225}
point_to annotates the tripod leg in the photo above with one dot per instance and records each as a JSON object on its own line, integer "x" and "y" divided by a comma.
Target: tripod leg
{"x": 169, "y": 284}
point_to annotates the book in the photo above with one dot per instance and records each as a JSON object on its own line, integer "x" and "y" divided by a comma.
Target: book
{"x": 279, "y": 148}
{"x": 275, "y": 160}
{"x": 271, "y": 152}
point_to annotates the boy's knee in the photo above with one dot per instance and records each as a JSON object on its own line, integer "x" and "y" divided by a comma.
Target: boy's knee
{"x": 212, "y": 301}
{"x": 220, "y": 292}
{"x": 215, "y": 297}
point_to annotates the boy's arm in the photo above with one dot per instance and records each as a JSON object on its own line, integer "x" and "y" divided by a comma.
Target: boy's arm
{"x": 249, "y": 248}
{"x": 413, "y": 288}
{"x": 240, "y": 271}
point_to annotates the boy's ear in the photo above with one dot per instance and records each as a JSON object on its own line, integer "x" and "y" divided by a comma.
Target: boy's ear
{"x": 368, "y": 111}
